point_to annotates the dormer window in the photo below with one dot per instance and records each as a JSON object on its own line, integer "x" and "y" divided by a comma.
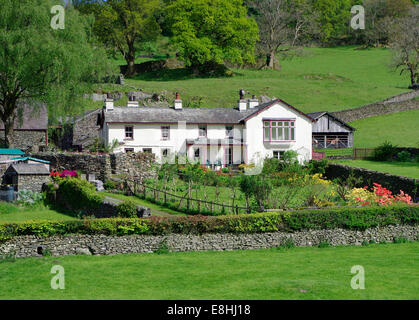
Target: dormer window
{"x": 279, "y": 130}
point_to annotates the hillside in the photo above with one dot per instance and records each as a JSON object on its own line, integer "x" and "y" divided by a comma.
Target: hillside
{"x": 320, "y": 79}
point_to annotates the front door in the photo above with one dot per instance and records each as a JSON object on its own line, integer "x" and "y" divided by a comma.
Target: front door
{"x": 230, "y": 156}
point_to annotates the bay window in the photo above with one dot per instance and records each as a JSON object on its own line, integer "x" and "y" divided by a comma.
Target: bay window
{"x": 278, "y": 130}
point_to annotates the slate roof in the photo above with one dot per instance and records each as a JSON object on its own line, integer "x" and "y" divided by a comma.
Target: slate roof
{"x": 26, "y": 168}
{"x": 14, "y": 152}
{"x": 32, "y": 118}
{"x": 190, "y": 115}
{"x": 317, "y": 115}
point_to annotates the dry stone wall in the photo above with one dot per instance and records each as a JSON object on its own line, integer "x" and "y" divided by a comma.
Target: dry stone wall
{"x": 137, "y": 166}
{"x": 403, "y": 102}
{"x": 33, "y": 246}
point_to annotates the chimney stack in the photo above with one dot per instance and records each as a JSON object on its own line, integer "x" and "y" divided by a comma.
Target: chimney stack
{"x": 253, "y": 102}
{"x": 242, "y": 102}
{"x": 132, "y": 103}
{"x": 178, "y": 102}
{"x": 108, "y": 103}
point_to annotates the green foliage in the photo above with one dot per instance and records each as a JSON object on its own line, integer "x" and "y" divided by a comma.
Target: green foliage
{"x": 400, "y": 240}
{"x": 346, "y": 218}
{"x": 286, "y": 245}
{"x": 324, "y": 244}
{"x": 76, "y": 195}
{"x": 163, "y": 247}
{"x": 30, "y": 198}
{"x": 385, "y": 151}
{"x": 317, "y": 166}
{"x": 259, "y": 187}
{"x": 212, "y": 31}
{"x": 127, "y": 209}
{"x": 110, "y": 184}
{"x": 404, "y": 156}
{"x": 40, "y": 63}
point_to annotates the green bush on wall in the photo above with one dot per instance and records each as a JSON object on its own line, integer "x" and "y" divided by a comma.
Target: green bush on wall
{"x": 346, "y": 218}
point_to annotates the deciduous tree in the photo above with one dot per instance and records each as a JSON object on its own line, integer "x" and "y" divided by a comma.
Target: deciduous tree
{"x": 39, "y": 63}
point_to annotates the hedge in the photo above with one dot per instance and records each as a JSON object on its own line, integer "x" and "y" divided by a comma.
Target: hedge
{"x": 346, "y": 218}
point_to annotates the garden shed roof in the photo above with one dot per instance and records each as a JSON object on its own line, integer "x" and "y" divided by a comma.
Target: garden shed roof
{"x": 29, "y": 169}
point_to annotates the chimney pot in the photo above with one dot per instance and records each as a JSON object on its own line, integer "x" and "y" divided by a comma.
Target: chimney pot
{"x": 178, "y": 102}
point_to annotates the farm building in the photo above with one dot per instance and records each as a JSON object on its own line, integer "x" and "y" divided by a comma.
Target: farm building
{"x": 330, "y": 132}
{"x": 26, "y": 176}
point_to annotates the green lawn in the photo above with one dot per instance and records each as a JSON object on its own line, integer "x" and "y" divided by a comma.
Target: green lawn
{"x": 298, "y": 273}
{"x": 329, "y": 79}
{"x": 11, "y": 213}
{"x": 406, "y": 169}
{"x": 401, "y": 129}
{"x": 156, "y": 210}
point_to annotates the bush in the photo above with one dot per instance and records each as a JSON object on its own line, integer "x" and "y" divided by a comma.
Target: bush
{"x": 385, "y": 152}
{"x": 110, "y": 185}
{"x": 30, "y": 198}
{"x": 346, "y": 218}
{"x": 404, "y": 156}
{"x": 75, "y": 195}
{"x": 127, "y": 209}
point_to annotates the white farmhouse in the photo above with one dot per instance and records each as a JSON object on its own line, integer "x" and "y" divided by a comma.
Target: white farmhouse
{"x": 216, "y": 137}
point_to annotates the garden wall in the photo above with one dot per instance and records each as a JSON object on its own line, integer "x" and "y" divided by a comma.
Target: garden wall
{"x": 389, "y": 181}
{"x": 403, "y": 102}
{"x": 34, "y": 246}
{"x": 137, "y": 166}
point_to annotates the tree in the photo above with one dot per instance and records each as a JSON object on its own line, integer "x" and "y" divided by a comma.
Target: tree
{"x": 212, "y": 31}
{"x": 404, "y": 39}
{"x": 334, "y": 18}
{"x": 282, "y": 22}
{"x": 121, "y": 24}
{"x": 39, "y": 63}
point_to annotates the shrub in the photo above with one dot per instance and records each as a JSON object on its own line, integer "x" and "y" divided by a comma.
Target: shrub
{"x": 385, "y": 151}
{"x": 30, "y": 198}
{"x": 75, "y": 195}
{"x": 127, "y": 209}
{"x": 317, "y": 166}
{"x": 324, "y": 244}
{"x": 404, "y": 156}
{"x": 110, "y": 185}
{"x": 400, "y": 240}
{"x": 287, "y": 244}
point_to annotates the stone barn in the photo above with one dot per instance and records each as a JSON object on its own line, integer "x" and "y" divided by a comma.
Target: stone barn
{"x": 329, "y": 132}
{"x": 26, "y": 176}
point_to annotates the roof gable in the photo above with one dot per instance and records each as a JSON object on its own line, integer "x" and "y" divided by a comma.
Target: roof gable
{"x": 266, "y": 106}
{"x": 318, "y": 115}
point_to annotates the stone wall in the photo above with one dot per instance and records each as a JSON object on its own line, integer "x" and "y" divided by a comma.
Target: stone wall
{"x": 32, "y": 182}
{"x": 103, "y": 166}
{"x": 33, "y": 246}
{"x": 86, "y": 129}
{"x": 391, "y": 105}
{"x": 391, "y": 182}
{"x": 27, "y": 140}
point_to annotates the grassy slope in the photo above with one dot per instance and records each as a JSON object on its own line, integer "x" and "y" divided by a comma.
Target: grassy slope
{"x": 401, "y": 129}
{"x": 407, "y": 169}
{"x": 322, "y": 79}
{"x": 299, "y": 273}
{"x": 156, "y": 210}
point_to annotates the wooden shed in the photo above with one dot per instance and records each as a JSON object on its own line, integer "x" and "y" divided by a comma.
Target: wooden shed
{"x": 329, "y": 132}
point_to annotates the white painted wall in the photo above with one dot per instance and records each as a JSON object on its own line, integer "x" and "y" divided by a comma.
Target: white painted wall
{"x": 258, "y": 150}
{"x": 149, "y": 136}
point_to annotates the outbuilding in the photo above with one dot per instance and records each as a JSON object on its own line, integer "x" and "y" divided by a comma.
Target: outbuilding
{"x": 26, "y": 176}
{"x": 329, "y": 132}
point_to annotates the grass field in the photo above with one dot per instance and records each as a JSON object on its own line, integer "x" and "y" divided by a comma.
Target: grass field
{"x": 401, "y": 129}
{"x": 321, "y": 79}
{"x": 11, "y": 213}
{"x": 406, "y": 169}
{"x": 297, "y": 273}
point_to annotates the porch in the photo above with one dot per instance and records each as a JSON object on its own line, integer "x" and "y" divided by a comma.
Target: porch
{"x": 217, "y": 153}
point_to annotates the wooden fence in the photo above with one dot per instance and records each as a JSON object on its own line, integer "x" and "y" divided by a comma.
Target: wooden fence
{"x": 185, "y": 203}
{"x": 363, "y": 153}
